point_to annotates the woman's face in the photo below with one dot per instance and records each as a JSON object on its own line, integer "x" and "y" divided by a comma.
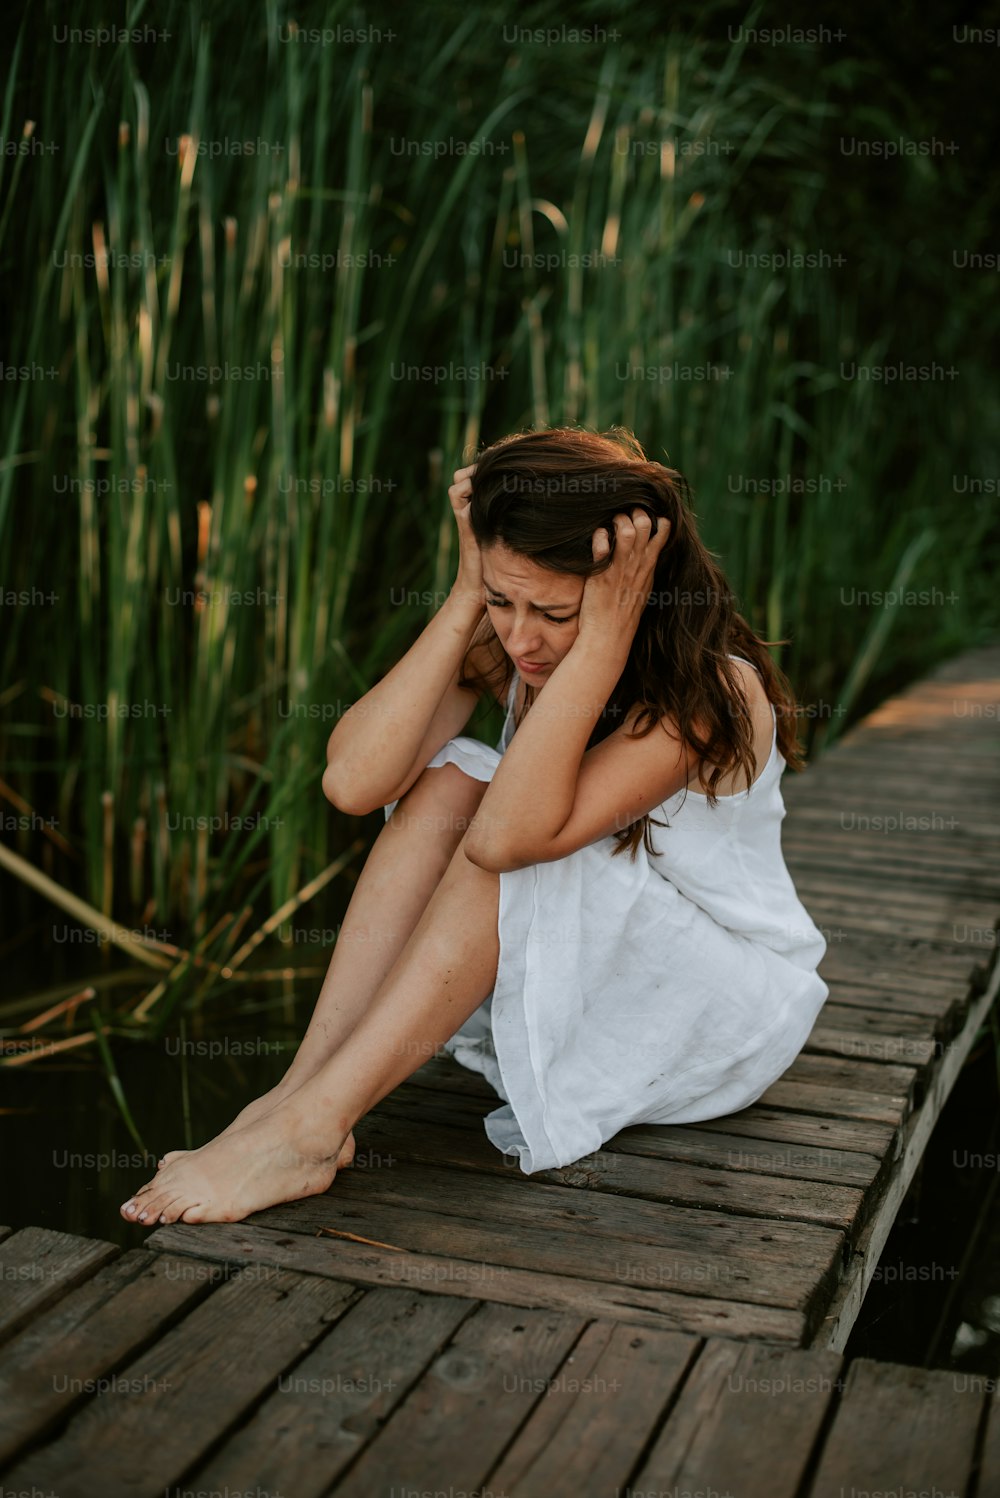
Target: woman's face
{"x": 534, "y": 611}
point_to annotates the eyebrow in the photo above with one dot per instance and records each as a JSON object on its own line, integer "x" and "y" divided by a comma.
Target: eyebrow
{"x": 542, "y": 607}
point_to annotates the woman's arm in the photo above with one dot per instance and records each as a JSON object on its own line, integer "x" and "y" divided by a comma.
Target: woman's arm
{"x": 375, "y": 745}
{"x": 373, "y": 751}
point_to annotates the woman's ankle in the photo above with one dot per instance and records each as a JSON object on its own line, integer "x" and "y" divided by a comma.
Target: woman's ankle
{"x": 296, "y": 1076}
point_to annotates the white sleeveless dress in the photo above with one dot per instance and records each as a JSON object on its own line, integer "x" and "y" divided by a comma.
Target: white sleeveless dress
{"x": 665, "y": 991}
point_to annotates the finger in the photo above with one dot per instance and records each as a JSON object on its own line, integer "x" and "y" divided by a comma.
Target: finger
{"x": 600, "y": 542}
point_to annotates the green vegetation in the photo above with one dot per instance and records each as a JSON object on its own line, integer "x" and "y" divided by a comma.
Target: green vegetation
{"x": 215, "y": 567}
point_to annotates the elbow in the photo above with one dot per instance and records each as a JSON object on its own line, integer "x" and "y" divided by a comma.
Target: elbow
{"x": 341, "y": 797}
{"x": 492, "y": 857}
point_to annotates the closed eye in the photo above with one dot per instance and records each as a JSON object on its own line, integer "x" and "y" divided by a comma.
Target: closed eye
{"x": 499, "y": 603}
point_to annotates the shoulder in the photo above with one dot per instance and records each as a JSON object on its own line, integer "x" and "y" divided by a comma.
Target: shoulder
{"x": 666, "y": 736}
{"x": 762, "y": 728}
{"x": 753, "y": 687}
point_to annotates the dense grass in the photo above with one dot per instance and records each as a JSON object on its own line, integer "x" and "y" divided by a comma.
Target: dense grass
{"x": 308, "y": 501}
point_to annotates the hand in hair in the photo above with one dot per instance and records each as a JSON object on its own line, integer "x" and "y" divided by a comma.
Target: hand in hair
{"x": 470, "y": 566}
{"x": 614, "y": 598}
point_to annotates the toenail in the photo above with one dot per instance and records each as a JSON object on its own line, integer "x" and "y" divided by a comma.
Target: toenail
{"x": 142, "y": 1217}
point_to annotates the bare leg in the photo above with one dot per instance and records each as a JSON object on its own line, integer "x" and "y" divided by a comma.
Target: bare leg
{"x": 444, "y": 972}
{"x": 409, "y": 858}
{"x": 407, "y": 861}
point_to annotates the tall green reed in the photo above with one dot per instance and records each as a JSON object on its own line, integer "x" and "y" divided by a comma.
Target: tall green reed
{"x": 234, "y": 555}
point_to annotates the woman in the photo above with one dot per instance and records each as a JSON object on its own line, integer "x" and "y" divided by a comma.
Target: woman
{"x": 516, "y": 907}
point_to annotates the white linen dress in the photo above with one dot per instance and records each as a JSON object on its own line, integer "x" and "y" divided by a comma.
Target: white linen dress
{"x": 665, "y": 991}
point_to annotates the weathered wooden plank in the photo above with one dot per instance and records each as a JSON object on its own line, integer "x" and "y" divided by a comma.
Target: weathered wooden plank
{"x": 834, "y": 1040}
{"x": 963, "y": 929}
{"x": 945, "y": 919}
{"x": 944, "y": 764}
{"x": 621, "y": 1173}
{"x": 596, "y": 1413}
{"x": 483, "y": 1280}
{"x": 178, "y": 1398}
{"x": 917, "y": 966}
{"x": 887, "y": 920}
{"x": 897, "y": 899}
{"x": 955, "y": 882}
{"x": 840, "y": 829}
{"x": 989, "y": 1457}
{"x": 688, "y": 1143}
{"x": 484, "y": 1385}
{"x": 899, "y": 1429}
{"x": 957, "y": 863}
{"x": 743, "y": 1425}
{"x": 851, "y": 797}
{"x": 877, "y": 1021}
{"x": 856, "y": 1073}
{"x": 38, "y": 1266}
{"x": 871, "y": 1101}
{"x": 312, "y": 1426}
{"x": 889, "y": 805}
{"x": 803, "y": 1129}
{"x": 944, "y": 1010}
{"x": 822, "y": 1125}
{"x": 808, "y": 1097}
{"x": 761, "y": 1157}
{"x": 66, "y": 1355}
{"x": 443, "y": 1074}
{"x": 677, "y": 1249}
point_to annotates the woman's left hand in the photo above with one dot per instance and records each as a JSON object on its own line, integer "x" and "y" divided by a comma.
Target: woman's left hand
{"x": 613, "y": 600}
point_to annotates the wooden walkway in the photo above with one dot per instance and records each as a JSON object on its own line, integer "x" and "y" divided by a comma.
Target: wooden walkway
{"x": 149, "y": 1373}
{"x": 668, "y": 1313}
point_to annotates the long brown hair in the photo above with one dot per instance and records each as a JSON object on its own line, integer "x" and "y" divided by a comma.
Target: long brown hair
{"x": 542, "y": 494}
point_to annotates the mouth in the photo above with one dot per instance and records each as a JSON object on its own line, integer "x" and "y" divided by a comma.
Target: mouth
{"x": 529, "y": 665}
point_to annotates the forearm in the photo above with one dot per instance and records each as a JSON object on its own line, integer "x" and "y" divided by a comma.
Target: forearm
{"x": 378, "y": 737}
{"x": 530, "y": 797}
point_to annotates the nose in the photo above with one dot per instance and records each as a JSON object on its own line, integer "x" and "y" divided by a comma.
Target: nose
{"x": 522, "y": 645}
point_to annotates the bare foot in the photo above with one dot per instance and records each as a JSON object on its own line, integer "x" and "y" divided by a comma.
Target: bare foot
{"x": 256, "y": 1109}
{"x": 344, "y": 1160}
{"x": 288, "y": 1154}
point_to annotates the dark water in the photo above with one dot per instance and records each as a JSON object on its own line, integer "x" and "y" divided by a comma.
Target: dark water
{"x": 69, "y": 1161}
{"x": 936, "y": 1299}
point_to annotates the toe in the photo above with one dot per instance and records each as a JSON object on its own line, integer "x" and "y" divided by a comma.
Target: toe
{"x": 130, "y": 1209}
{"x": 152, "y": 1204}
{"x": 170, "y": 1210}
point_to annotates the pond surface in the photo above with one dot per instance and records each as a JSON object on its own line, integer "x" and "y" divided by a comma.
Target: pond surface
{"x": 69, "y": 1159}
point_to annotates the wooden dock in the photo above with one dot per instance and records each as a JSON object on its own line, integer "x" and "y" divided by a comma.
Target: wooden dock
{"x": 667, "y": 1314}
{"x": 155, "y": 1373}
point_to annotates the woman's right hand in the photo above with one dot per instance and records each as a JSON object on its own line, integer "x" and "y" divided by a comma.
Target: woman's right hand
{"x": 469, "y": 581}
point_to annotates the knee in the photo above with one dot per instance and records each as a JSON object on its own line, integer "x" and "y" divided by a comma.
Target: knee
{"x": 455, "y": 782}
{"x": 444, "y": 798}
